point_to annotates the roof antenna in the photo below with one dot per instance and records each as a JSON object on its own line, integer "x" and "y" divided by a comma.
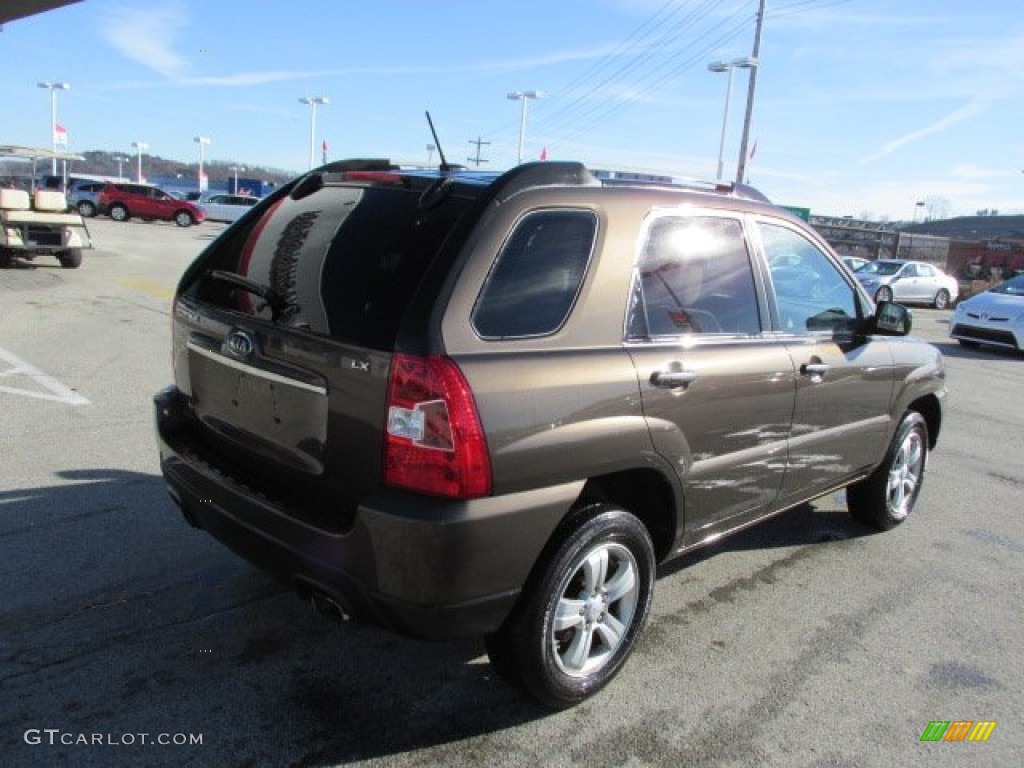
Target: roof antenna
{"x": 444, "y": 167}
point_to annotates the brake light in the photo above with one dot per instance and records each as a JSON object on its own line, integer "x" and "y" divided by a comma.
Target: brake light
{"x": 372, "y": 176}
{"x": 435, "y": 442}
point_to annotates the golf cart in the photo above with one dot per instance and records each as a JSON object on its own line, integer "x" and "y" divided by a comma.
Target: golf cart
{"x": 36, "y": 221}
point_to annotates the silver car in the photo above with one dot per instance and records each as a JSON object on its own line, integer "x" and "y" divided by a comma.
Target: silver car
{"x": 227, "y": 207}
{"x": 995, "y": 316}
{"x": 908, "y": 282}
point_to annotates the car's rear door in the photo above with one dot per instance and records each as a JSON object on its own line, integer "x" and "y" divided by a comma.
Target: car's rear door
{"x": 717, "y": 392}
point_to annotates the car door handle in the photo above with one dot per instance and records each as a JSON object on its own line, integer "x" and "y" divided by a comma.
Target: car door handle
{"x": 673, "y": 379}
{"x": 816, "y": 371}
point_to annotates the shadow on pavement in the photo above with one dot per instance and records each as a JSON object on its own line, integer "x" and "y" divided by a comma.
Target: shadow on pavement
{"x": 123, "y": 620}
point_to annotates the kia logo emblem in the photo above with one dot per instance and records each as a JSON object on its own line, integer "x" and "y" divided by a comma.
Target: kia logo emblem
{"x": 240, "y": 344}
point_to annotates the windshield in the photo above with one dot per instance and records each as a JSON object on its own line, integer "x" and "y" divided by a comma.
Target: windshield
{"x": 1012, "y": 287}
{"x": 881, "y": 268}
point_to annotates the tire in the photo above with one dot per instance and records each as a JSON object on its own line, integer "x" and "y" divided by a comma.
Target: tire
{"x": 582, "y": 609}
{"x": 6, "y": 257}
{"x": 86, "y": 208}
{"x": 71, "y": 258}
{"x": 183, "y": 219}
{"x": 883, "y": 294}
{"x": 886, "y": 498}
{"x": 119, "y": 213}
{"x": 941, "y": 299}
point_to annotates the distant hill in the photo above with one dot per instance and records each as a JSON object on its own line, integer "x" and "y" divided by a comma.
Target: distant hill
{"x": 972, "y": 228}
{"x": 153, "y": 166}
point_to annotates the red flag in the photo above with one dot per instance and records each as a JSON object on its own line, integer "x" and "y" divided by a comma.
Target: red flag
{"x": 325, "y": 150}
{"x": 544, "y": 154}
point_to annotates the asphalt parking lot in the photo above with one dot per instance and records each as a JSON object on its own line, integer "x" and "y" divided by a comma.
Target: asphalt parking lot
{"x": 128, "y": 638}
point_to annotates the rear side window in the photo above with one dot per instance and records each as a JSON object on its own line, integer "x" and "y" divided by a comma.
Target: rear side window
{"x": 534, "y": 282}
{"x": 694, "y": 277}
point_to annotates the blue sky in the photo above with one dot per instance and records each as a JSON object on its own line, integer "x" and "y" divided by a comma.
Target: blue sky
{"x": 862, "y": 107}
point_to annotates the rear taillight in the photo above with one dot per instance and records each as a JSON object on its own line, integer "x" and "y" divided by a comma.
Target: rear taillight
{"x": 435, "y": 443}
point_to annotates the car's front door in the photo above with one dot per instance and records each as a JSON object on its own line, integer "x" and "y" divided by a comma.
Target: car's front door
{"x": 905, "y": 285}
{"x": 717, "y": 393}
{"x": 844, "y": 382}
{"x": 163, "y": 205}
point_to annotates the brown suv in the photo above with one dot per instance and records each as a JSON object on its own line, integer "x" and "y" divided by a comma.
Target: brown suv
{"x": 462, "y": 403}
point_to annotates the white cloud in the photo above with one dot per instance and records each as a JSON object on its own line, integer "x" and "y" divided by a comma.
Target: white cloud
{"x": 146, "y": 36}
{"x": 974, "y": 171}
{"x": 965, "y": 112}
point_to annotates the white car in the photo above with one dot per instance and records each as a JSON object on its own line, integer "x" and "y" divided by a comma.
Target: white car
{"x": 227, "y": 207}
{"x": 995, "y": 316}
{"x": 908, "y": 282}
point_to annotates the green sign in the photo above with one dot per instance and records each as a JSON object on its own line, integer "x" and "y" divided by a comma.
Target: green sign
{"x": 803, "y": 213}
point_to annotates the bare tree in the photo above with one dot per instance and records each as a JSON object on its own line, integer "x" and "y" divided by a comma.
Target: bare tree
{"x": 936, "y": 208}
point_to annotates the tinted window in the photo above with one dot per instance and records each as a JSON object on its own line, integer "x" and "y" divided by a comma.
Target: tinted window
{"x": 694, "y": 276}
{"x": 345, "y": 260}
{"x": 811, "y": 293}
{"x": 535, "y": 279}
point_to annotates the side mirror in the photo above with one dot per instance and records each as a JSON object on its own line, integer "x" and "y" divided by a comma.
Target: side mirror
{"x": 892, "y": 319}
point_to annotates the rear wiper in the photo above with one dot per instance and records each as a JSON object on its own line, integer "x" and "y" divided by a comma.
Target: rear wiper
{"x": 273, "y": 299}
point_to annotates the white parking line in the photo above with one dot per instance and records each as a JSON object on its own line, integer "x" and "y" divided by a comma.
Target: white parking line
{"x": 55, "y": 390}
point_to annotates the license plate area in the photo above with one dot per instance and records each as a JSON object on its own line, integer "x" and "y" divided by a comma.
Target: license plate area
{"x": 273, "y": 414}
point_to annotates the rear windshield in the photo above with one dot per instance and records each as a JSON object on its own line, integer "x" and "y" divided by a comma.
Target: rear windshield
{"x": 343, "y": 261}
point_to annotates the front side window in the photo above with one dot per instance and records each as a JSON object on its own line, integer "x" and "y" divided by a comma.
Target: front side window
{"x": 537, "y": 275}
{"x": 694, "y": 277}
{"x": 811, "y": 293}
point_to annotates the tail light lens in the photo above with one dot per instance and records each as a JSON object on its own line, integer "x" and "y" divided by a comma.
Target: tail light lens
{"x": 435, "y": 442}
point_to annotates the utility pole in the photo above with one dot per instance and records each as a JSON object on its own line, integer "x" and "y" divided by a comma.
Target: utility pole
{"x": 741, "y": 168}
{"x": 479, "y": 143}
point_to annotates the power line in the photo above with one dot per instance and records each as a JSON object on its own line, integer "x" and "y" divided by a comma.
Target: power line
{"x": 668, "y": 70}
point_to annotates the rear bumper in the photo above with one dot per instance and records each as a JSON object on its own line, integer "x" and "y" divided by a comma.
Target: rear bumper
{"x": 429, "y": 568}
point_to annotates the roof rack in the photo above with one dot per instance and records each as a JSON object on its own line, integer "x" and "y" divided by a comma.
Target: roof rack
{"x": 647, "y": 179}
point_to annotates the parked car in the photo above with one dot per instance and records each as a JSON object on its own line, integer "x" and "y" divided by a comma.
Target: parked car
{"x": 122, "y": 201}
{"x": 82, "y": 196}
{"x": 908, "y": 281}
{"x": 855, "y": 262}
{"x": 34, "y": 220}
{"x": 995, "y": 316}
{"x": 227, "y": 207}
{"x": 459, "y": 403}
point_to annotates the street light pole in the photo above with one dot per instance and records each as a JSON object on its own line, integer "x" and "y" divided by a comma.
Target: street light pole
{"x": 313, "y": 101}
{"x": 139, "y": 147}
{"x": 523, "y": 97}
{"x": 119, "y": 160}
{"x": 202, "y": 141}
{"x": 53, "y": 88}
{"x": 235, "y": 169}
{"x": 727, "y": 67}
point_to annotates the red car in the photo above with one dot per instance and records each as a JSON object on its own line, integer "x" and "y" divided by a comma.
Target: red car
{"x": 122, "y": 201}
